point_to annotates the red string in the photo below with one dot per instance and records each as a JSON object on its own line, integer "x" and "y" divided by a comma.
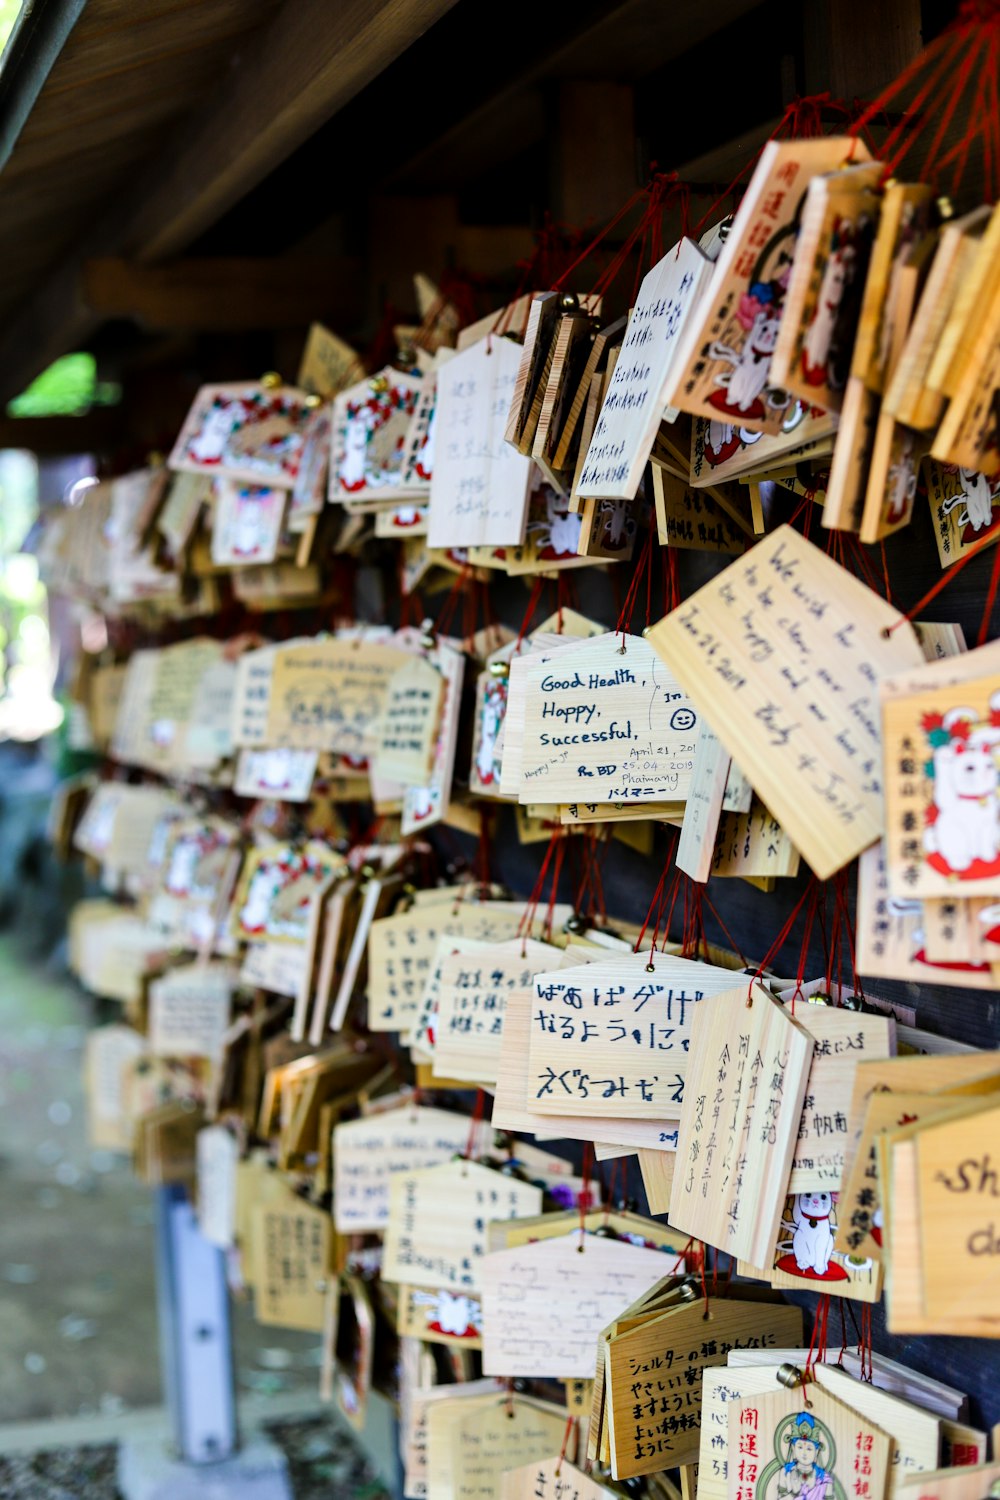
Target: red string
{"x": 657, "y": 902}
{"x": 448, "y": 609}
{"x": 734, "y": 945}
{"x": 477, "y": 1115}
{"x": 689, "y": 1249}
{"x": 945, "y": 579}
{"x": 944, "y": 70}
{"x": 643, "y": 568}
{"x": 527, "y": 921}
{"x": 529, "y": 613}
{"x": 867, "y": 1372}
{"x": 562, "y": 1451}
{"x": 991, "y": 599}
{"x": 780, "y": 940}
{"x": 585, "y": 1197}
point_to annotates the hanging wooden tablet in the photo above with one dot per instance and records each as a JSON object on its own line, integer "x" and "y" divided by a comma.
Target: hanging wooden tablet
{"x": 908, "y": 396}
{"x": 401, "y": 951}
{"x": 692, "y": 520}
{"x": 189, "y": 1008}
{"x": 794, "y": 1441}
{"x": 722, "y": 1388}
{"x": 488, "y": 723}
{"x": 515, "y": 1093}
{"x": 414, "y": 1422}
{"x": 556, "y": 1479}
{"x": 428, "y": 802}
{"x": 551, "y": 534}
{"x": 822, "y": 305}
{"x": 328, "y": 364}
{"x": 487, "y": 1442}
{"x": 613, "y": 1037}
{"x": 914, "y": 1434}
{"x": 543, "y": 646}
{"x": 670, "y": 1292}
{"x": 293, "y": 1249}
{"x": 965, "y": 507}
{"x": 271, "y": 903}
{"x": 905, "y": 1312}
{"x": 962, "y": 1446}
{"x": 599, "y": 383}
{"x": 250, "y": 433}
{"x": 535, "y": 359}
{"x": 804, "y": 1254}
{"x": 409, "y": 724}
{"x": 608, "y": 529}
{"x": 309, "y": 491}
{"x": 604, "y": 351}
{"x": 421, "y": 441}
{"x": 479, "y": 491}
{"x": 367, "y": 1152}
{"x": 545, "y": 1303}
{"x": 703, "y": 806}
{"x": 575, "y": 334}
{"x": 606, "y": 721}
{"x": 436, "y": 1231}
{"x": 753, "y": 845}
{"x": 967, "y": 435}
{"x": 330, "y": 694}
{"x": 796, "y": 702}
{"x": 932, "y": 1396}
{"x": 859, "y": 1230}
{"x": 721, "y": 370}
{"x": 472, "y": 997}
{"x": 963, "y": 323}
{"x": 423, "y": 1031}
{"x": 747, "y": 1073}
{"x": 968, "y": 1482}
{"x": 368, "y": 434}
{"x": 723, "y": 450}
{"x": 842, "y": 1039}
{"x": 958, "y": 1189}
{"x": 286, "y": 775}
{"x": 893, "y": 472}
{"x": 658, "y": 1426}
{"x": 109, "y": 1049}
{"x": 903, "y": 221}
{"x": 890, "y": 934}
{"x": 632, "y": 408}
{"x": 940, "y": 730}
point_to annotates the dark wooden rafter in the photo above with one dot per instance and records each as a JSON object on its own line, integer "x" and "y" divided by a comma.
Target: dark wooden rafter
{"x": 293, "y": 75}
{"x": 222, "y": 293}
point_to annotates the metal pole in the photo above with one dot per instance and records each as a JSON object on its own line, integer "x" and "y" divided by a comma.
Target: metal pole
{"x": 195, "y": 1343}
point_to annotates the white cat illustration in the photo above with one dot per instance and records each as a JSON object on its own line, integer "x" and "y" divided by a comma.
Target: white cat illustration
{"x": 812, "y": 1242}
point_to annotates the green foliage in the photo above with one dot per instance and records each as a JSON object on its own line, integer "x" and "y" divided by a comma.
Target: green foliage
{"x": 67, "y": 388}
{"x": 9, "y": 11}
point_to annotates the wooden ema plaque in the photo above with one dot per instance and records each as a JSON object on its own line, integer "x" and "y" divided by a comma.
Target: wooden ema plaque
{"x": 746, "y": 1081}
{"x": 783, "y": 652}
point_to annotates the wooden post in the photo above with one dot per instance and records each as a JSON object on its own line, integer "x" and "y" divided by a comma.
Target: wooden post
{"x": 594, "y": 167}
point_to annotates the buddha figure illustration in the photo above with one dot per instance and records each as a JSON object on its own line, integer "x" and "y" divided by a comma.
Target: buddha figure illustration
{"x": 802, "y": 1468}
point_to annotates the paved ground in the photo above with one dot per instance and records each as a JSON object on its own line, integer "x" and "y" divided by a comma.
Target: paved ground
{"x": 77, "y": 1301}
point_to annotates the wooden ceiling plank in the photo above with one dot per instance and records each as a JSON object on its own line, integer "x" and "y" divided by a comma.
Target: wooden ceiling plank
{"x": 119, "y": 51}
{"x": 222, "y": 295}
{"x": 295, "y": 75}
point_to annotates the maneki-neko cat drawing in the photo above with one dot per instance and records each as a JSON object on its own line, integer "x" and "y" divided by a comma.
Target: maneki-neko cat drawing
{"x": 962, "y": 833}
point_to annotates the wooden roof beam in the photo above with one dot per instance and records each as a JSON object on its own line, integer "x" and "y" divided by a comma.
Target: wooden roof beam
{"x": 296, "y": 74}
{"x": 224, "y": 294}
